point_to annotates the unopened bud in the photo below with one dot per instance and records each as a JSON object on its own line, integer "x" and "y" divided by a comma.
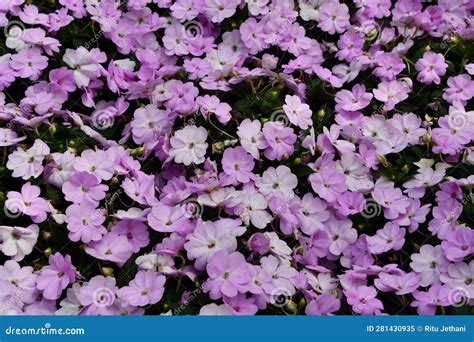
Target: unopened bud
{"x": 107, "y": 271}
{"x": 48, "y": 251}
{"x": 53, "y": 128}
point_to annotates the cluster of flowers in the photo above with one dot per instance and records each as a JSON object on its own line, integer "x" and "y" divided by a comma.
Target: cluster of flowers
{"x": 236, "y": 157}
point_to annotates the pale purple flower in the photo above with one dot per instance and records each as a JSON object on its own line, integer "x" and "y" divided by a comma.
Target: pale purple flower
{"x": 28, "y": 202}
{"x": 206, "y": 240}
{"x": 53, "y": 279}
{"x": 83, "y": 187}
{"x": 228, "y": 275}
{"x": 29, "y": 163}
{"x": 429, "y": 263}
{"x": 431, "y": 67}
{"x": 297, "y": 112}
{"x": 364, "y": 301}
{"x": 237, "y": 166}
{"x": 84, "y": 222}
{"x": 427, "y": 302}
{"x": 391, "y": 236}
{"x": 356, "y": 99}
{"x": 146, "y": 288}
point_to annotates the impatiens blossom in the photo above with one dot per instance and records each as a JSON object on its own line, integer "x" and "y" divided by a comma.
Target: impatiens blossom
{"x": 29, "y": 163}
{"x": 147, "y": 288}
{"x": 53, "y": 279}
{"x": 17, "y": 242}
{"x": 236, "y": 157}
{"x": 297, "y": 112}
{"x": 228, "y": 274}
{"x": 189, "y": 145}
{"x": 28, "y": 202}
{"x": 363, "y": 300}
{"x": 431, "y": 67}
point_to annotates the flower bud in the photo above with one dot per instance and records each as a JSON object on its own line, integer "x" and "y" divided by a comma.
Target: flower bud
{"x": 427, "y": 48}
{"x": 372, "y": 34}
{"x": 427, "y": 139}
{"x": 405, "y": 168}
{"x": 48, "y": 251}
{"x": 321, "y": 113}
{"x": 107, "y": 271}
{"x": 47, "y": 235}
{"x": 292, "y": 307}
{"x": 53, "y": 128}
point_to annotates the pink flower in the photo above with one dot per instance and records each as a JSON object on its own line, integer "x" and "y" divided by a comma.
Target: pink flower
{"x": 431, "y": 67}
{"x": 429, "y": 263}
{"x": 251, "y": 137}
{"x": 146, "y": 288}
{"x": 391, "y": 199}
{"x": 206, "y": 240}
{"x": 111, "y": 247}
{"x": 328, "y": 183}
{"x": 427, "y": 302}
{"x": 297, "y": 112}
{"x": 279, "y": 181}
{"x": 400, "y": 283}
{"x": 333, "y": 17}
{"x": 390, "y": 93}
{"x": 353, "y": 100}
{"x": 53, "y": 279}
{"x": 459, "y": 244}
{"x": 84, "y": 222}
{"x": 325, "y": 304}
{"x": 341, "y": 234}
{"x": 98, "y": 296}
{"x": 237, "y": 166}
{"x": 460, "y": 88}
{"x": 83, "y": 187}
{"x": 280, "y": 140}
{"x": 166, "y": 219}
{"x": 390, "y": 237}
{"x": 212, "y": 105}
{"x": 148, "y": 123}
{"x": 28, "y": 202}
{"x": 29, "y": 63}
{"x": 363, "y": 300}
{"x": 229, "y": 275}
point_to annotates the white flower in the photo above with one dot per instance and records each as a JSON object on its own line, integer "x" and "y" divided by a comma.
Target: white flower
{"x": 279, "y": 181}
{"x": 189, "y": 145}
{"x": 18, "y": 241}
